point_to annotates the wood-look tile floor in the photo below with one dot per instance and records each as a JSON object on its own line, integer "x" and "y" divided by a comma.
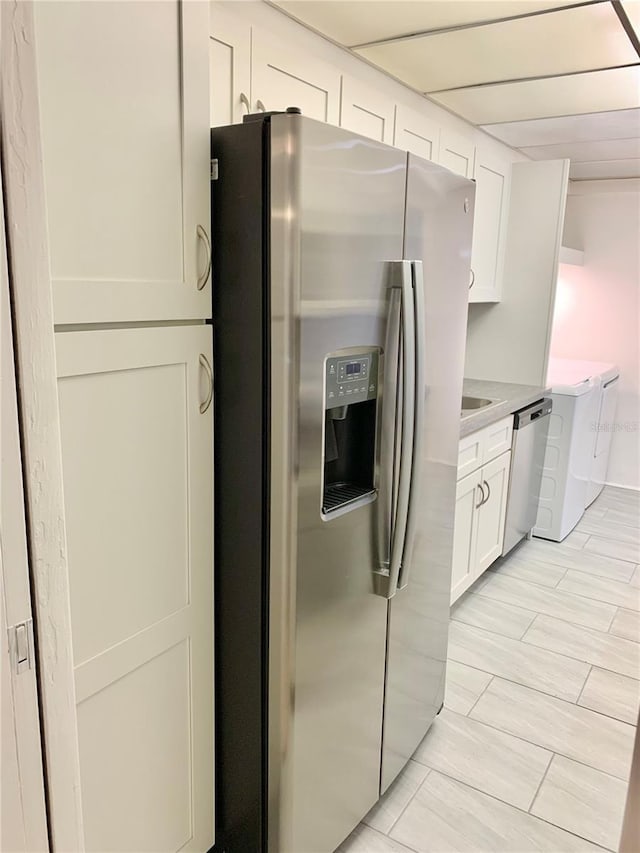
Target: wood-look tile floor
{"x": 533, "y": 747}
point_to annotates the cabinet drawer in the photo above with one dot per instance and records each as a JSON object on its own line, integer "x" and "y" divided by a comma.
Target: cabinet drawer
{"x": 497, "y": 439}
{"x": 484, "y": 445}
{"x": 470, "y": 453}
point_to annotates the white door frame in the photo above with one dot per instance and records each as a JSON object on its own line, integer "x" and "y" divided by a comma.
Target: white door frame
{"x": 38, "y": 408}
{"x": 23, "y": 825}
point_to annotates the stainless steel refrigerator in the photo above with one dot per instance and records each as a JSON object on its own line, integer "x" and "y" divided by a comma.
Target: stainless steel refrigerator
{"x": 341, "y": 271}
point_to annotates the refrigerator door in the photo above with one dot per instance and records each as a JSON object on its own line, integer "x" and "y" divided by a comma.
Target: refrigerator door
{"x": 439, "y": 223}
{"x": 342, "y": 207}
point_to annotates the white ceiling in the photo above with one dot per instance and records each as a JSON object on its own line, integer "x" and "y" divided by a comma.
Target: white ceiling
{"x": 559, "y": 78}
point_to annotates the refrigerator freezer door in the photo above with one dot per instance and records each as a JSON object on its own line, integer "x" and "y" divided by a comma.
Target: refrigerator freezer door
{"x": 439, "y": 222}
{"x": 346, "y": 205}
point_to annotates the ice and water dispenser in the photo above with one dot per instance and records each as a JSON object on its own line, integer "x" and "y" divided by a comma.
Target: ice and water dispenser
{"x": 351, "y": 401}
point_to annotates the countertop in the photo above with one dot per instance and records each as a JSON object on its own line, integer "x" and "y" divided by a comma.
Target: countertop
{"x": 512, "y": 398}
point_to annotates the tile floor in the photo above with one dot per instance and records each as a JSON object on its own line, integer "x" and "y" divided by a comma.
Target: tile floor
{"x": 533, "y": 747}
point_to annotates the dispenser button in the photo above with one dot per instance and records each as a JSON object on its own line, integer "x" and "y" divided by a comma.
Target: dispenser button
{"x": 340, "y": 393}
{"x": 349, "y": 390}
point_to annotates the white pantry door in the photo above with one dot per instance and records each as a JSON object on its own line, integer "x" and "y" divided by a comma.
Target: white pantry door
{"x": 137, "y": 447}
{"x": 124, "y": 109}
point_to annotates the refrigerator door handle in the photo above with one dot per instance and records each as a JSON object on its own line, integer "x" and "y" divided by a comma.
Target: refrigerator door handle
{"x": 419, "y": 379}
{"x": 398, "y": 416}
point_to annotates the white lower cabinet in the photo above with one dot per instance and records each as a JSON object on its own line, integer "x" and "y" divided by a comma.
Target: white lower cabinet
{"x": 137, "y": 449}
{"x": 468, "y": 498}
{"x": 481, "y": 506}
{"x": 491, "y": 512}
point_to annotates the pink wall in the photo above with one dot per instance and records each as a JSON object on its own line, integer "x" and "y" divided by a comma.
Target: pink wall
{"x": 597, "y": 309}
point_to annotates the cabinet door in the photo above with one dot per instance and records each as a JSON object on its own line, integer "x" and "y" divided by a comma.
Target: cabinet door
{"x": 137, "y": 456}
{"x": 492, "y": 176}
{"x": 491, "y": 515}
{"x": 229, "y": 66}
{"x": 364, "y": 110}
{"x": 282, "y": 78}
{"x": 456, "y": 152}
{"x": 124, "y": 102}
{"x": 416, "y": 133}
{"x": 468, "y": 496}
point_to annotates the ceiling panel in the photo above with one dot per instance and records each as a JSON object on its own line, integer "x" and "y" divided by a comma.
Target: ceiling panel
{"x": 632, "y": 8}
{"x": 580, "y": 152}
{"x": 352, "y": 22}
{"x": 578, "y": 39}
{"x": 599, "y": 170}
{"x": 622, "y": 124}
{"x": 595, "y": 91}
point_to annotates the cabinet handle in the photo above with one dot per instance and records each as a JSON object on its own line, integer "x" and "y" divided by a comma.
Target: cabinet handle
{"x": 202, "y": 235}
{"x": 245, "y": 102}
{"x": 204, "y": 362}
{"x": 488, "y": 491}
{"x": 479, "y": 486}
{"x": 473, "y": 279}
{"x": 260, "y": 106}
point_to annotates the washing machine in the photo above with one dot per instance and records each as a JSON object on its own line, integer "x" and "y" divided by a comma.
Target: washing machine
{"x": 569, "y": 454}
{"x": 609, "y": 375}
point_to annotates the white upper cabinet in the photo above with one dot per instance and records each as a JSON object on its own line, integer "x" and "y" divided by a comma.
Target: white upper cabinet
{"x": 125, "y": 137}
{"x": 456, "y": 152}
{"x": 229, "y": 67}
{"x": 492, "y": 175}
{"x": 416, "y": 133}
{"x": 282, "y": 77}
{"x": 365, "y": 110}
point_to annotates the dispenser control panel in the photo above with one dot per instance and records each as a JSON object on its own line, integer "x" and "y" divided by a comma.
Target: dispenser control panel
{"x": 351, "y": 379}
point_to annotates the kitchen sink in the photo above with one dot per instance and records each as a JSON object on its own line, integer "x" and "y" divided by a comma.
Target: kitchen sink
{"x": 472, "y": 404}
{"x": 476, "y": 403}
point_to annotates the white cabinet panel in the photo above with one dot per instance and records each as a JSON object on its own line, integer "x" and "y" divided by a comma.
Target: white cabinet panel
{"x": 492, "y": 175}
{"x": 491, "y": 513}
{"x": 138, "y": 477}
{"x": 364, "y": 110}
{"x": 125, "y": 135}
{"x": 468, "y": 495}
{"x": 456, "y": 152}
{"x": 484, "y": 458}
{"x": 282, "y": 78}
{"x": 416, "y": 133}
{"x": 229, "y": 67}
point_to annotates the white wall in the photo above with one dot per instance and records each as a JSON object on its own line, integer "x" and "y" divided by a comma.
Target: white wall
{"x": 597, "y": 314}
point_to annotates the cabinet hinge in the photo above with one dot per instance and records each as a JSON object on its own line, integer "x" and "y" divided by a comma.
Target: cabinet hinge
{"x": 214, "y": 170}
{"x": 21, "y": 645}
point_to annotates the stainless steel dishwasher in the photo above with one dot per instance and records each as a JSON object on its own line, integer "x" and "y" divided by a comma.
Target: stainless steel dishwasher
{"x": 528, "y": 447}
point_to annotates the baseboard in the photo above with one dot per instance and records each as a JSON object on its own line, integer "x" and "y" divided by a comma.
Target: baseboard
{"x": 623, "y": 486}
